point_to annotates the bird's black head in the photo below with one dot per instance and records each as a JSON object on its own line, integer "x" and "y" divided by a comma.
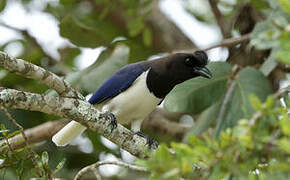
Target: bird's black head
{"x": 169, "y": 71}
{"x": 196, "y": 64}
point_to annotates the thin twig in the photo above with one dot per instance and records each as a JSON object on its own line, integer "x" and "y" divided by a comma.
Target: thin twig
{"x": 31, "y": 153}
{"x": 224, "y": 107}
{"x": 94, "y": 167}
{"x": 230, "y": 42}
{"x": 277, "y": 95}
{"x": 220, "y": 19}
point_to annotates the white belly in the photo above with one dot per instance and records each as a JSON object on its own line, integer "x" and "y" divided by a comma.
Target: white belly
{"x": 133, "y": 104}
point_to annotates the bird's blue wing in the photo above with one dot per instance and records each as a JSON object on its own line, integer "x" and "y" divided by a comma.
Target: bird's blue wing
{"x": 118, "y": 82}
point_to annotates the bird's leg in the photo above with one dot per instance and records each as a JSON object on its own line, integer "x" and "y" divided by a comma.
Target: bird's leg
{"x": 111, "y": 117}
{"x": 149, "y": 140}
{"x": 136, "y": 126}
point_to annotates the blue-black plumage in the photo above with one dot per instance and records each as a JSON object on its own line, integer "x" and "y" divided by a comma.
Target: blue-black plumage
{"x": 134, "y": 91}
{"x": 118, "y": 82}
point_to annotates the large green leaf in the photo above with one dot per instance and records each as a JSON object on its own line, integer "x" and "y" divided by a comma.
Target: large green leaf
{"x": 204, "y": 121}
{"x": 88, "y": 32}
{"x": 249, "y": 81}
{"x": 195, "y": 95}
{"x": 2, "y": 5}
{"x": 283, "y": 54}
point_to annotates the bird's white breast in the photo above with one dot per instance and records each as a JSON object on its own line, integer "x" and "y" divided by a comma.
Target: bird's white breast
{"x": 135, "y": 103}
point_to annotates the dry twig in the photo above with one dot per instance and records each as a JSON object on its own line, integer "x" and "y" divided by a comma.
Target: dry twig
{"x": 94, "y": 167}
{"x": 230, "y": 42}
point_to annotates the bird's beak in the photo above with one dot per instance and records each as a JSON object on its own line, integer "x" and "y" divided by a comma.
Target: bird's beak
{"x": 204, "y": 72}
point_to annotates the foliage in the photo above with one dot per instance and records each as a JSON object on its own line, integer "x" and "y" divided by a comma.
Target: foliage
{"x": 259, "y": 151}
{"x": 21, "y": 161}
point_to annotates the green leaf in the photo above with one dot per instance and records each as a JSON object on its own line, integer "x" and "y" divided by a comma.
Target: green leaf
{"x": 2, "y": 5}
{"x": 285, "y": 124}
{"x": 4, "y": 131}
{"x": 197, "y": 94}
{"x": 284, "y": 145}
{"x": 204, "y": 121}
{"x": 285, "y": 5}
{"x": 265, "y": 35}
{"x": 44, "y": 158}
{"x": 269, "y": 65}
{"x": 249, "y": 81}
{"x": 147, "y": 39}
{"x": 255, "y": 102}
{"x": 283, "y": 54}
{"x": 68, "y": 55}
{"x": 88, "y": 32}
{"x": 136, "y": 26}
{"x": 60, "y": 165}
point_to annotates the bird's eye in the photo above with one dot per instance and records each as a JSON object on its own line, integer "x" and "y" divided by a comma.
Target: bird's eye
{"x": 201, "y": 58}
{"x": 188, "y": 61}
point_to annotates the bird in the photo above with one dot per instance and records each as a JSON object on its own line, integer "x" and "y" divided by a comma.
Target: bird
{"x": 134, "y": 91}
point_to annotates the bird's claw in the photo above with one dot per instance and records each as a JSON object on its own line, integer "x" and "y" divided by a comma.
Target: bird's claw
{"x": 113, "y": 121}
{"x": 152, "y": 144}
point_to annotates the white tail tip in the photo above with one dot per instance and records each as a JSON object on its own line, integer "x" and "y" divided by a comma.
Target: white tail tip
{"x": 68, "y": 133}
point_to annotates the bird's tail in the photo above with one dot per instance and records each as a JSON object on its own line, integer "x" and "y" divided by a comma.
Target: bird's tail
{"x": 68, "y": 133}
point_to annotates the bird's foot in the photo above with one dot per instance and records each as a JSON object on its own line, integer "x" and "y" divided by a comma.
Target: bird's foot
{"x": 152, "y": 144}
{"x": 111, "y": 117}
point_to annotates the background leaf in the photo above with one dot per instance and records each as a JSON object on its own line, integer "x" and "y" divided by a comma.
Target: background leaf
{"x": 195, "y": 95}
{"x": 249, "y": 81}
{"x": 88, "y": 32}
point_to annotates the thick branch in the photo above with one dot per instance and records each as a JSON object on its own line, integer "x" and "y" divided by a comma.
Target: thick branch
{"x": 77, "y": 110}
{"x": 159, "y": 121}
{"x": 36, "y": 134}
{"x": 28, "y": 70}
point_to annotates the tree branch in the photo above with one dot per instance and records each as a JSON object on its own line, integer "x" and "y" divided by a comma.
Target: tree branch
{"x": 159, "y": 121}
{"x": 220, "y": 19}
{"x": 28, "y": 70}
{"x": 73, "y": 106}
{"x": 94, "y": 167}
{"x": 78, "y": 110}
{"x": 51, "y": 61}
{"x": 163, "y": 122}
{"x": 36, "y": 134}
{"x": 230, "y": 42}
